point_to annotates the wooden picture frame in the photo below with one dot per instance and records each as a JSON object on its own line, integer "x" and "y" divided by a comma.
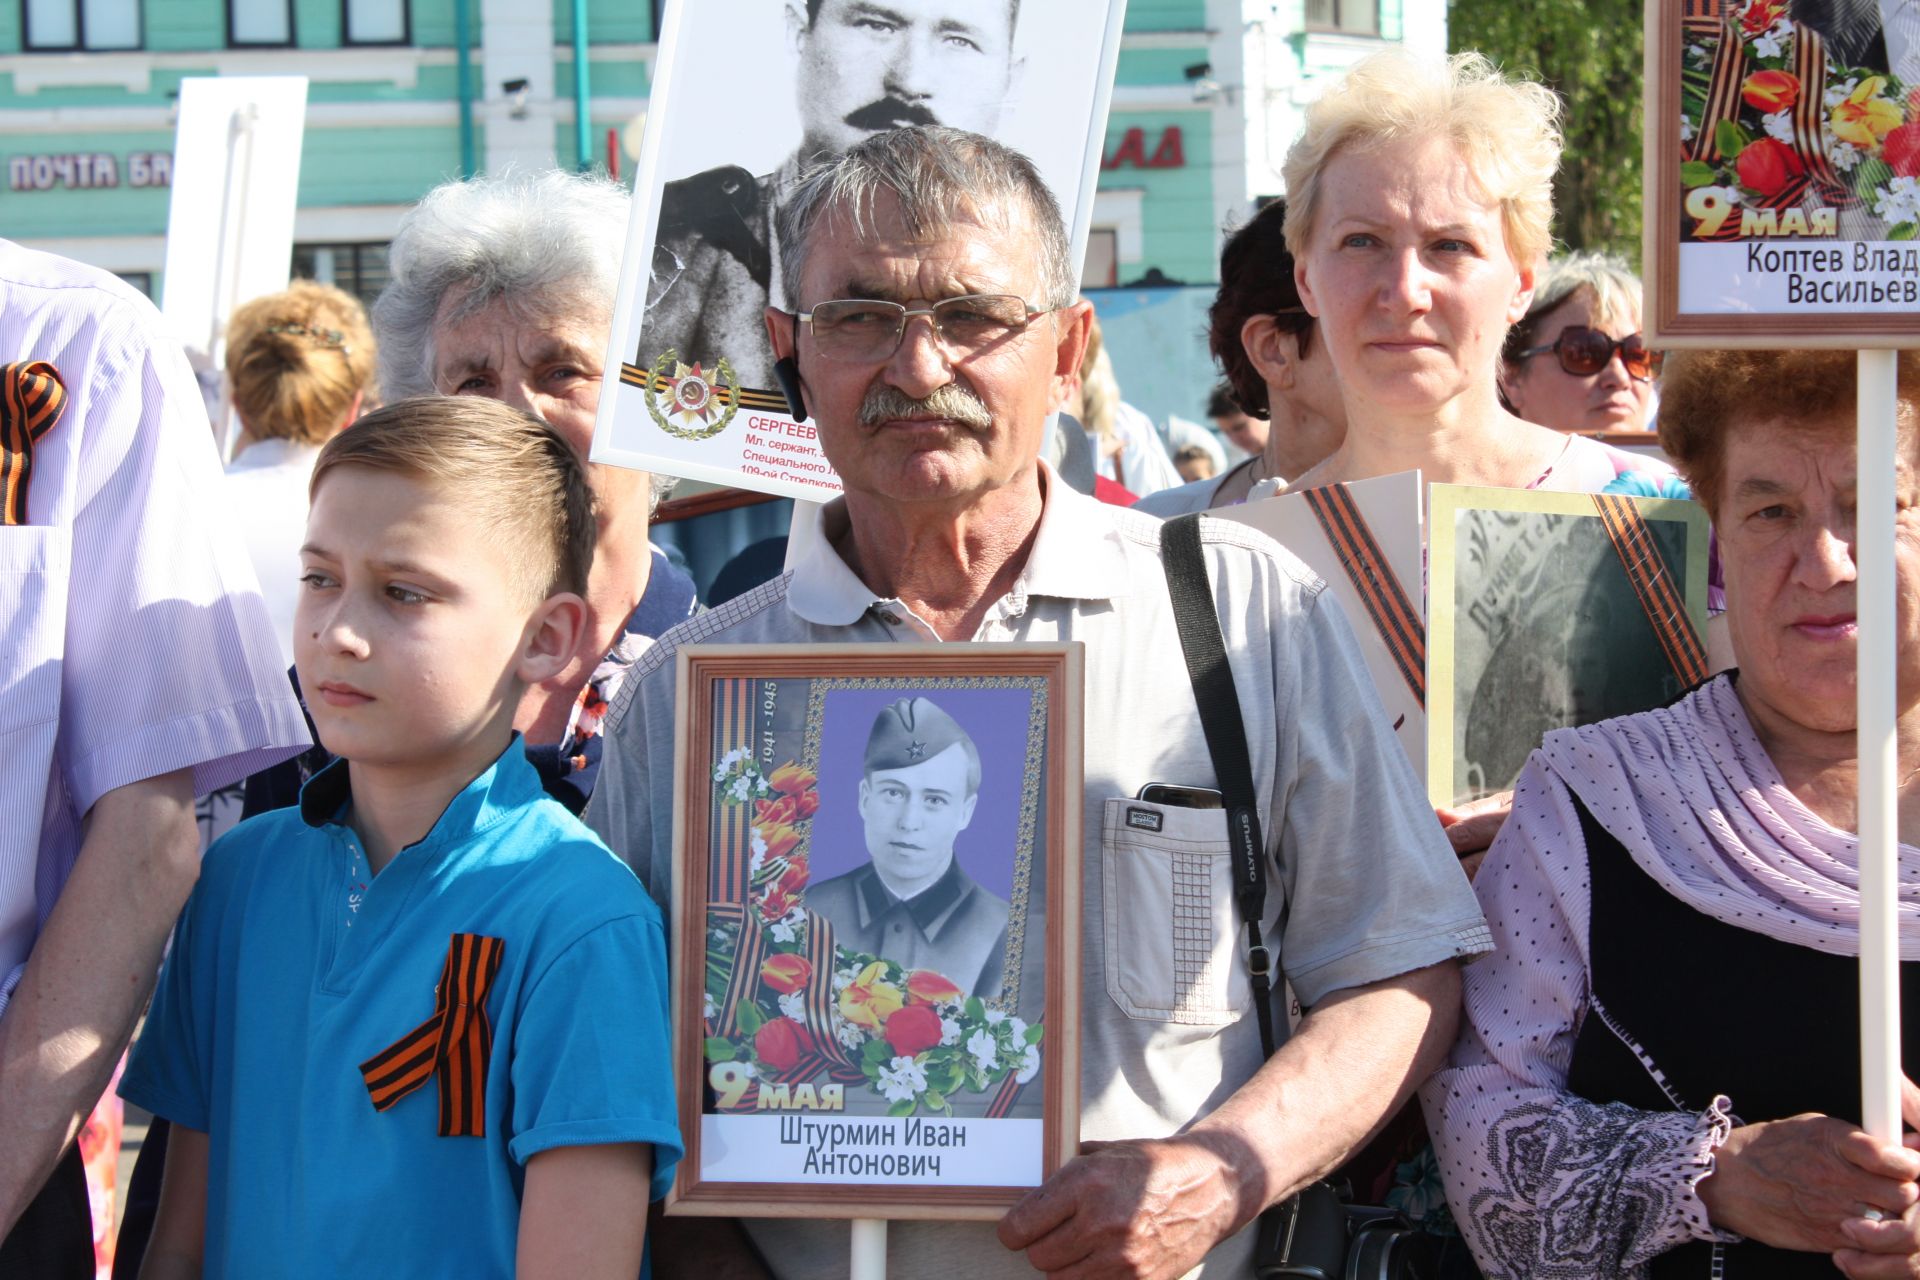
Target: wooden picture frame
{"x": 1787, "y": 245}
{"x": 826, "y": 1066}
{"x": 1535, "y": 623}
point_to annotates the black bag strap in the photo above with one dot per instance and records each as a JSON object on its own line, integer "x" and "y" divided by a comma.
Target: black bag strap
{"x": 1205, "y": 650}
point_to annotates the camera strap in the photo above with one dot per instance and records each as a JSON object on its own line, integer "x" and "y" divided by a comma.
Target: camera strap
{"x": 1205, "y": 650}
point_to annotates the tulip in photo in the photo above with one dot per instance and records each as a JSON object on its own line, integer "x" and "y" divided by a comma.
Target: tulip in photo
{"x": 1902, "y": 150}
{"x": 868, "y": 1002}
{"x": 1767, "y": 165}
{"x": 786, "y": 973}
{"x": 1864, "y": 117}
{"x": 1771, "y": 91}
{"x": 780, "y": 1043}
{"x": 790, "y": 779}
{"x": 913, "y": 1030}
{"x": 924, "y": 986}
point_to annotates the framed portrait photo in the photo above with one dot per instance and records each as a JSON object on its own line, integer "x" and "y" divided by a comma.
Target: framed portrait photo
{"x": 875, "y": 928}
{"x": 1782, "y": 173}
{"x": 747, "y": 97}
{"x": 1547, "y": 610}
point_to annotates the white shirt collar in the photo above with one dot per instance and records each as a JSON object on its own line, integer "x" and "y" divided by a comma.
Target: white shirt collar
{"x": 1077, "y": 555}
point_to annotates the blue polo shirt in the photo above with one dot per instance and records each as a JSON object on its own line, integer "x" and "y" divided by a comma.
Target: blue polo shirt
{"x": 291, "y": 966}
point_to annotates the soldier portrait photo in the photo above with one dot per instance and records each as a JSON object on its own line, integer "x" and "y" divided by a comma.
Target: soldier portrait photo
{"x": 913, "y": 902}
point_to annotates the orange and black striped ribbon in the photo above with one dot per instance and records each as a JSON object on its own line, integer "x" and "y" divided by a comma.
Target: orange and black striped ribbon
{"x": 1394, "y": 617}
{"x": 1710, "y": 19}
{"x": 729, "y": 878}
{"x": 1660, "y": 598}
{"x": 1729, "y": 72}
{"x": 1809, "y": 119}
{"x": 32, "y": 398}
{"x": 745, "y": 397}
{"x": 745, "y": 982}
{"x": 822, "y": 954}
{"x": 454, "y": 1045}
{"x": 1004, "y": 1097}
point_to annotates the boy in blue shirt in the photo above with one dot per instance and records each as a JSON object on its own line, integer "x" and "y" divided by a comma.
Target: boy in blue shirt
{"x": 418, "y": 1025}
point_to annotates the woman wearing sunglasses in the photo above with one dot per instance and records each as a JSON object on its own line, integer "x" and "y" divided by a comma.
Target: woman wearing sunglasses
{"x": 1420, "y": 216}
{"x": 1577, "y": 361}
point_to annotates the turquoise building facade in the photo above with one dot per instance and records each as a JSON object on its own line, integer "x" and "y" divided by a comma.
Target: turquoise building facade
{"x": 1207, "y": 96}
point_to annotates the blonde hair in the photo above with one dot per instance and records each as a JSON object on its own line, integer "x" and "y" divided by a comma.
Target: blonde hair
{"x": 513, "y": 472}
{"x": 1607, "y": 284}
{"x": 296, "y": 359}
{"x": 1506, "y": 132}
{"x": 1099, "y": 388}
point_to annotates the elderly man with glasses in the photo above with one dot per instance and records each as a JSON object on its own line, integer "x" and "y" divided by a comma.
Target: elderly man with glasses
{"x": 937, "y": 328}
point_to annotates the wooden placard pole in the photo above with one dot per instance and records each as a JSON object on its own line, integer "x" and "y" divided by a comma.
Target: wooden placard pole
{"x": 869, "y": 1249}
{"x": 1879, "y": 860}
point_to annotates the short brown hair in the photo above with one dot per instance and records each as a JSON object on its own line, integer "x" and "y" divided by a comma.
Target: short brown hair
{"x": 296, "y": 359}
{"x": 1704, "y": 395}
{"x": 514, "y": 472}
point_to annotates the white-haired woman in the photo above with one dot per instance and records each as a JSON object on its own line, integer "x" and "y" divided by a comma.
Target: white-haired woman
{"x": 1577, "y": 360}
{"x": 503, "y": 287}
{"x": 1420, "y": 210}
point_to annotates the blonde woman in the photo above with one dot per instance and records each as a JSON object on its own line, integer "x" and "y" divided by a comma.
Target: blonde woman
{"x": 1577, "y": 361}
{"x": 300, "y": 365}
{"x": 1127, "y": 448}
{"x": 1420, "y": 212}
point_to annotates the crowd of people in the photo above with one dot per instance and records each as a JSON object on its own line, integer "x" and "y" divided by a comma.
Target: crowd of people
{"x": 1622, "y": 992}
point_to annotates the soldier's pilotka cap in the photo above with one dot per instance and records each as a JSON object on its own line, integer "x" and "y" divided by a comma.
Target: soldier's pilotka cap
{"x": 910, "y": 732}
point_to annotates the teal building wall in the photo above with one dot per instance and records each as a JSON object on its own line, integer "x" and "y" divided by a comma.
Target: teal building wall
{"x": 383, "y": 122}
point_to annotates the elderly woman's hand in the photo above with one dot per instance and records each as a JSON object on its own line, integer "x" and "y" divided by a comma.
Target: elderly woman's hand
{"x": 1891, "y": 1247}
{"x": 1805, "y": 1183}
{"x": 1472, "y": 826}
{"x": 1883, "y": 1250}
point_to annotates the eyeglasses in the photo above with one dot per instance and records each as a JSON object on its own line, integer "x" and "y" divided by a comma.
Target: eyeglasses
{"x": 862, "y": 329}
{"x": 1584, "y": 352}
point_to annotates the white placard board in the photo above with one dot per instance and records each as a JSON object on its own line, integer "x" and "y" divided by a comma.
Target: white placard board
{"x": 236, "y": 184}
{"x": 742, "y": 92}
{"x": 1320, "y": 527}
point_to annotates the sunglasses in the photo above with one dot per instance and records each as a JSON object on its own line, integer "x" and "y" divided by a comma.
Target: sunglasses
{"x": 1584, "y": 352}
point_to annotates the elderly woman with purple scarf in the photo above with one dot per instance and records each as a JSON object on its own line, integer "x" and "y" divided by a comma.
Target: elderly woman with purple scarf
{"x": 1658, "y": 1073}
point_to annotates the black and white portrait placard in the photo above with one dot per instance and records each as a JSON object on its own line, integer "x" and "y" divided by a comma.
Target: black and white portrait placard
{"x": 747, "y": 95}
{"x": 1552, "y": 609}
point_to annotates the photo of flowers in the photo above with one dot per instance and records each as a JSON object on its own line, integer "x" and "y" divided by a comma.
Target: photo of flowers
{"x": 876, "y": 927}
{"x": 1774, "y": 117}
{"x": 1782, "y": 175}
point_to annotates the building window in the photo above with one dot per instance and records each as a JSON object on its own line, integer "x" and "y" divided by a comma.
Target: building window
{"x": 1101, "y": 269}
{"x": 96, "y": 25}
{"x": 376, "y": 22}
{"x": 1349, "y": 17}
{"x": 259, "y": 22}
{"x": 141, "y": 280}
{"x": 360, "y": 269}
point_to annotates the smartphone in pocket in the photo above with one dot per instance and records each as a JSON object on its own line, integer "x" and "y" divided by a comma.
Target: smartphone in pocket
{"x": 1176, "y": 796}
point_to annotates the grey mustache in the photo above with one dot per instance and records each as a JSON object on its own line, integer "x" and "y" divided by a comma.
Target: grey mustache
{"x": 953, "y": 401}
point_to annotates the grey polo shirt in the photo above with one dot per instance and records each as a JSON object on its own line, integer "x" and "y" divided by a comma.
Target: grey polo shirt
{"x": 1364, "y": 885}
